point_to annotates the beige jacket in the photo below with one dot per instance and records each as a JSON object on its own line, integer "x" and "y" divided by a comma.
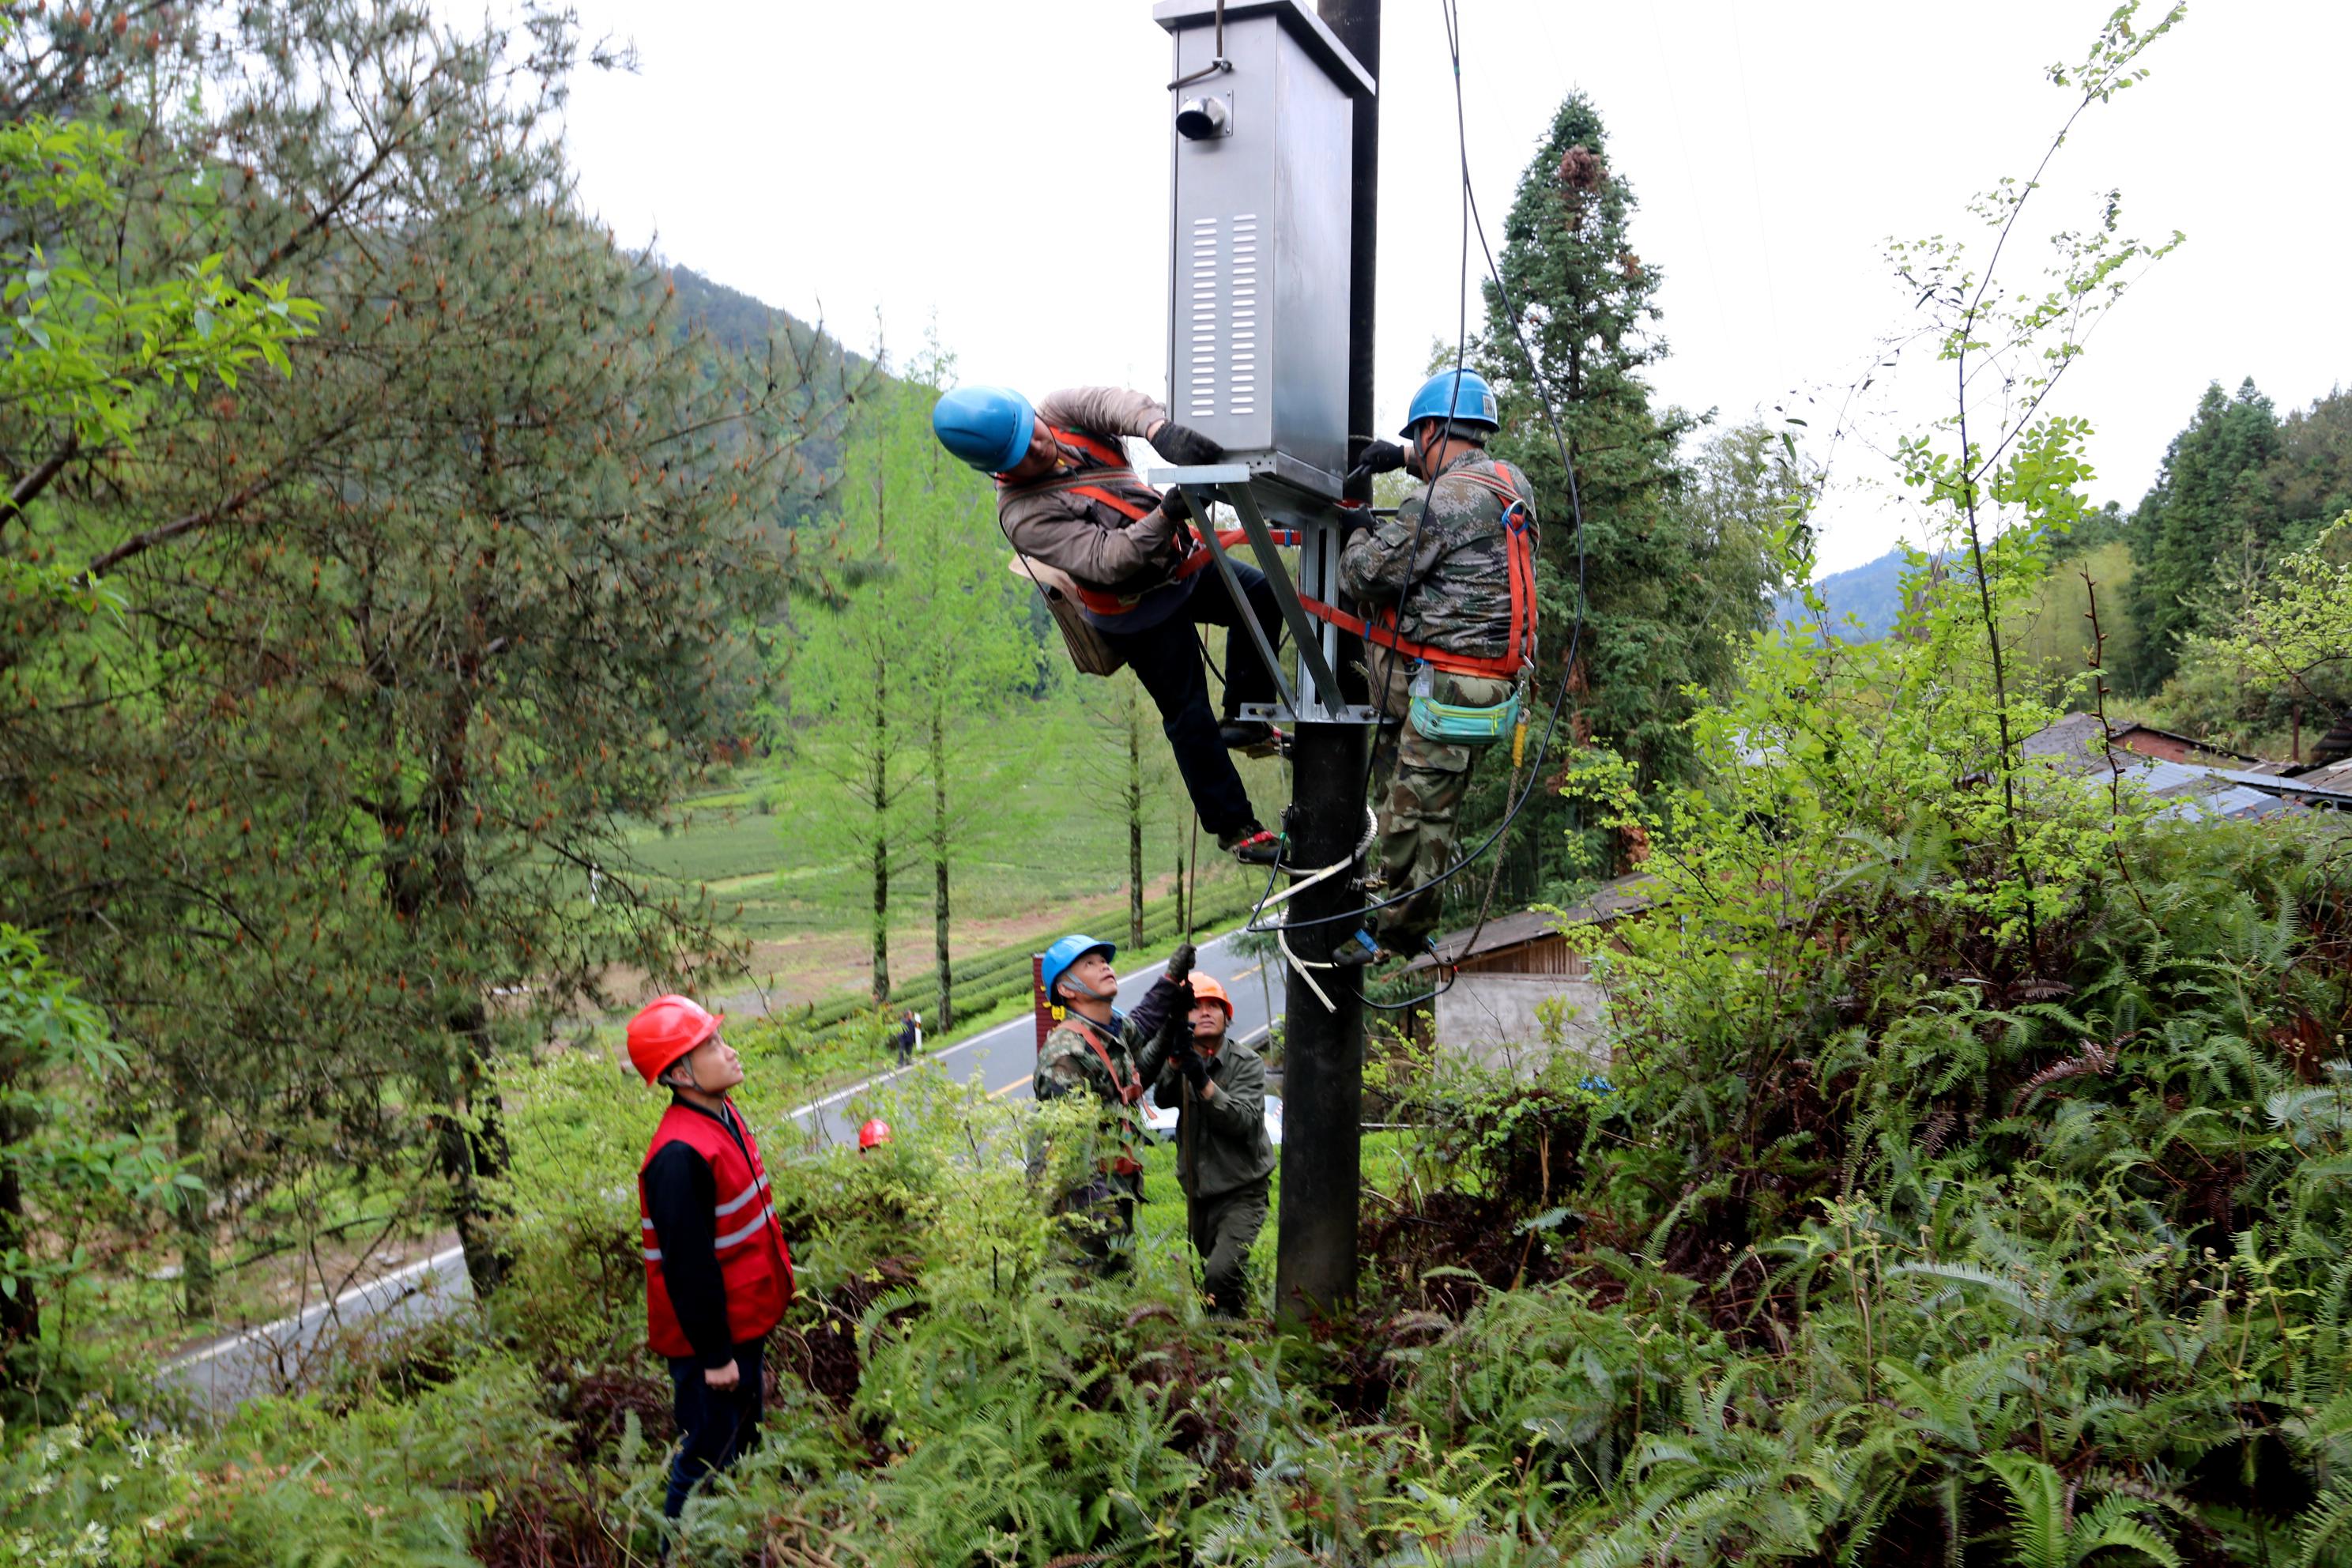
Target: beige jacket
{"x": 1095, "y": 543}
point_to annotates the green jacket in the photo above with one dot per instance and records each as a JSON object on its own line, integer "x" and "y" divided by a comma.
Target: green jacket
{"x": 1220, "y": 1143}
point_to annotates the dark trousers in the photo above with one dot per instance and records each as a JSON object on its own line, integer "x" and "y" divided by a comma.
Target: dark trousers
{"x": 1167, "y": 659}
{"x": 1223, "y": 1229}
{"x": 714, "y": 1426}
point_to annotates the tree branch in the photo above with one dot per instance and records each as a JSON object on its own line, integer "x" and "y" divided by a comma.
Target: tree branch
{"x": 32, "y": 484}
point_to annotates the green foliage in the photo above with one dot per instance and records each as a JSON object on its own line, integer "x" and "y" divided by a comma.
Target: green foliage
{"x": 1677, "y": 567}
{"x": 2282, "y": 655}
{"x": 58, "y": 1174}
{"x": 902, "y": 678}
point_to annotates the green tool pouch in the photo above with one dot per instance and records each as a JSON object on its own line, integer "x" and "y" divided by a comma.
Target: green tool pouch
{"x": 1450, "y": 721}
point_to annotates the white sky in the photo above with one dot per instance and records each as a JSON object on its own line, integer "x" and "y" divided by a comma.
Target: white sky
{"x": 999, "y": 172}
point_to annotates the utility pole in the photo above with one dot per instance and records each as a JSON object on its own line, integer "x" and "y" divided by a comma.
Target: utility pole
{"x": 1323, "y": 1050}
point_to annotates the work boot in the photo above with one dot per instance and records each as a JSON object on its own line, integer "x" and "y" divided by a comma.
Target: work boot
{"x": 1254, "y": 738}
{"x": 1251, "y": 846}
{"x": 1357, "y": 950}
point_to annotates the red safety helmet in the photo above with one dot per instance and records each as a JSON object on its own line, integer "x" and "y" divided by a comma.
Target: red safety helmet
{"x": 1206, "y": 989}
{"x": 665, "y": 1030}
{"x": 873, "y": 1135}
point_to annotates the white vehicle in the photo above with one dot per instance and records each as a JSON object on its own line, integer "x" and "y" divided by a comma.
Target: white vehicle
{"x": 1162, "y": 1123}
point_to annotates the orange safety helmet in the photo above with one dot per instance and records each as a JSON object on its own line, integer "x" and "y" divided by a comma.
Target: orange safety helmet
{"x": 1206, "y": 989}
{"x": 873, "y": 1135}
{"x": 665, "y": 1030}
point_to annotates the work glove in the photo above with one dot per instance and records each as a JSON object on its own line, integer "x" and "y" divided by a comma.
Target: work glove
{"x": 1185, "y": 447}
{"x": 1196, "y": 1070}
{"x": 1379, "y": 457}
{"x": 1181, "y": 961}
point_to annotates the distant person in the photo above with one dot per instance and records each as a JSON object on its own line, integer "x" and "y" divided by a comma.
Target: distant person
{"x": 717, "y": 1273}
{"x": 909, "y": 1035}
{"x": 1448, "y": 587}
{"x": 1096, "y": 1051}
{"x": 1066, "y": 498}
{"x": 1224, "y": 1162}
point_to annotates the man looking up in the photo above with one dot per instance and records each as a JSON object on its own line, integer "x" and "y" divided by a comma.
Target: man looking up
{"x": 1225, "y": 1160}
{"x": 717, "y": 1273}
{"x": 1094, "y": 1050}
{"x": 1448, "y": 584}
{"x": 1066, "y": 496}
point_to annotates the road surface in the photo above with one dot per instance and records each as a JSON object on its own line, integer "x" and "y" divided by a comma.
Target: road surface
{"x": 228, "y": 1371}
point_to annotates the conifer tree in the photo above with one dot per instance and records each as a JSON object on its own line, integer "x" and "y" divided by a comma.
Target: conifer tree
{"x": 406, "y": 642}
{"x": 2210, "y": 500}
{"x": 1666, "y": 598}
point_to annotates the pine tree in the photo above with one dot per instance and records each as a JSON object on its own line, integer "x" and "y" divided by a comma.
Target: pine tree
{"x": 2211, "y": 501}
{"x": 904, "y": 676}
{"x": 406, "y": 642}
{"x": 1666, "y": 595}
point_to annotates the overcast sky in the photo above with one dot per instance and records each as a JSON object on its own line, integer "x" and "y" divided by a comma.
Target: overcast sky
{"x": 999, "y": 171}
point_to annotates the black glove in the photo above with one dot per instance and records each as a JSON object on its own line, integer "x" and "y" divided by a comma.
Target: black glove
{"x": 1379, "y": 457}
{"x": 1185, "y": 447}
{"x": 1196, "y": 1069}
{"x": 1181, "y": 961}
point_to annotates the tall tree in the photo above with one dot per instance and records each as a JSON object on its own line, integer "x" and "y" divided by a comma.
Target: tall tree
{"x": 405, "y": 642}
{"x": 2211, "y": 501}
{"x": 1133, "y": 773}
{"x": 1667, "y": 591}
{"x": 973, "y": 659}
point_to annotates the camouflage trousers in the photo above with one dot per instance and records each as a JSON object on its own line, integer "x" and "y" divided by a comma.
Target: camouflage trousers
{"x": 1103, "y": 1222}
{"x": 1426, "y": 781}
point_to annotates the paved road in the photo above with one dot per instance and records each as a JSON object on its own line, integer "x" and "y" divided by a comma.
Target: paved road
{"x": 230, "y": 1370}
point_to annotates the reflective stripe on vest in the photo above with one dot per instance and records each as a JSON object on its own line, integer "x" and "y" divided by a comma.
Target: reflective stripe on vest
{"x": 653, "y": 1254}
{"x": 1519, "y": 649}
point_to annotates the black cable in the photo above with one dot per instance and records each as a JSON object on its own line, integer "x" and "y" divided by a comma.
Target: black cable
{"x": 1576, "y": 509}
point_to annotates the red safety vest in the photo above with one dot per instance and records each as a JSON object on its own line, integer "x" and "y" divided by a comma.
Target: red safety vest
{"x": 1519, "y": 653}
{"x": 754, "y": 1264}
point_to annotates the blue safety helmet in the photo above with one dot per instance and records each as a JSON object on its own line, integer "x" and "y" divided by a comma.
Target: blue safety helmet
{"x": 1473, "y": 407}
{"x": 1063, "y": 953}
{"x": 987, "y": 426}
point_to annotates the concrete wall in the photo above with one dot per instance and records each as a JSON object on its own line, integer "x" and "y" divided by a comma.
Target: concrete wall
{"x": 1501, "y": 1019}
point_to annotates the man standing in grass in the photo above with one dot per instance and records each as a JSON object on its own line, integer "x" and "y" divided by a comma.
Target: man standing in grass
{"x": 1224, "y": 1162}
{"x": 1094, "y": 1050}
{"x": 717, "y": 1273}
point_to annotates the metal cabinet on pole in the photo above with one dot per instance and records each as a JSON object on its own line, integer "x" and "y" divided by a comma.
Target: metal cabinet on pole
{"x": 1273, "y": 132}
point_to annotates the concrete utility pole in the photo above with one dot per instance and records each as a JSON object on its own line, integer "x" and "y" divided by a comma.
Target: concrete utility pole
{"x": 1323, "y": 1075}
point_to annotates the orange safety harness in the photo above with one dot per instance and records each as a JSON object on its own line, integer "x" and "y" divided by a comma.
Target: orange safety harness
{"x": 1129, "y": 1091}
{"x": 1106, "y": 467}
{"x": 1519, "y": 653}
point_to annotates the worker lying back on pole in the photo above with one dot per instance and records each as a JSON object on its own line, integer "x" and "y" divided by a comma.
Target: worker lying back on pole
{"x": 1066, "y": 499}
{"x": 1094, "y": 1050}
{"x": 1224, "y": 1162}
{"x": 1450, "y": 584}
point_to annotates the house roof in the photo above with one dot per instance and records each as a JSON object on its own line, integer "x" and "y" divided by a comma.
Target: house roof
{"x": 2196, "y": 789}
{"x": 2077, "y": 741}
{"x": 1625, "y": 896}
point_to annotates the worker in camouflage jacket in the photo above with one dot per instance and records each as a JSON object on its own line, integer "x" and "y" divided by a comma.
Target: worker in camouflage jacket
{"x": 1225, "y": 1160}
{"x": 1094, "y": 1050}
{"x": 1441, "y": 568}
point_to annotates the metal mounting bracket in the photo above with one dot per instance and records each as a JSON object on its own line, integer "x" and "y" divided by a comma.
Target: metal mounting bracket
{"x": 1314, "y": 697}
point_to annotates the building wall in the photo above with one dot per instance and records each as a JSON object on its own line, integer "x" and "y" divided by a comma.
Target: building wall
{"x": 1500, "y": 1019}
